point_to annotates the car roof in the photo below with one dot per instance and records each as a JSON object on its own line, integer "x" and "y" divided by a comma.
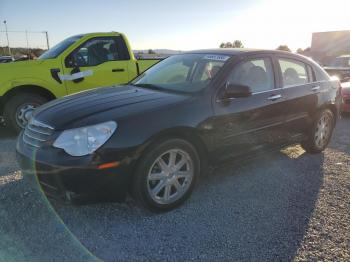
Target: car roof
{"x": 237, "y": 51}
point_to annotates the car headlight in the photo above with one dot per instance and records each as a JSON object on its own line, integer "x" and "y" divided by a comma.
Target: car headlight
{"x": 85, "y": 140}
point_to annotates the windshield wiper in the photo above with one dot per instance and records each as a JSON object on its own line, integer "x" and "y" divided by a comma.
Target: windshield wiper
{"x": 149, "y": 86}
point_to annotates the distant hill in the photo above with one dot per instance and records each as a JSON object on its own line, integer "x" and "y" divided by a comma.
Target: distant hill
{"x": 18, "y": 52}
{"x": 159, "y": 51}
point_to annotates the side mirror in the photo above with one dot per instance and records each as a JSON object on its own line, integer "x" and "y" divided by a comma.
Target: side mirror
{"x": 237, "y": 91}
{"x": 70, "y": 62}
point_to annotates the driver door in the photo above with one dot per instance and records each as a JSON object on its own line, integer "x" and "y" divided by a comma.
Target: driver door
{"x": 100, "y": 61}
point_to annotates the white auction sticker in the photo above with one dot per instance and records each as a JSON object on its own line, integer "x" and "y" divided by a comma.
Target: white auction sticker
{"x": 216, "y": 57}
{"x": 76, "y": 75}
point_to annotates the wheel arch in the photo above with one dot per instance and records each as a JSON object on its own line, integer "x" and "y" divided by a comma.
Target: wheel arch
{"x": 333, "y": 109}
{"x": 188, "y": 134}
{"x": 34, "y": 89}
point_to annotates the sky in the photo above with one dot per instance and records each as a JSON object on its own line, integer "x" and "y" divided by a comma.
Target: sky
{"x": 176, "y": 24}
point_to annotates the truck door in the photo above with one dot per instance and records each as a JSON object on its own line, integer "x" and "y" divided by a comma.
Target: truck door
{"x": 98, "y": 62}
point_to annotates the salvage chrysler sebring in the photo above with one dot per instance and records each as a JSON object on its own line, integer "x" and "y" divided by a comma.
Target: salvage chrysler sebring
{"x": 153, "y": 137}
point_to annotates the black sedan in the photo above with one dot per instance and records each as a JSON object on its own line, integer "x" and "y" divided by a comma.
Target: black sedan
{"x": 153, "y": 137}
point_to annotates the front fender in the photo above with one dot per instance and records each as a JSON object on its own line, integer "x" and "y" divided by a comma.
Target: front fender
{"x": 56, "y": 89}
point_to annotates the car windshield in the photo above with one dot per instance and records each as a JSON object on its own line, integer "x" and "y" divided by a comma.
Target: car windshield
{"x": 183, "y": 73}
{"x": 60, "y": 47}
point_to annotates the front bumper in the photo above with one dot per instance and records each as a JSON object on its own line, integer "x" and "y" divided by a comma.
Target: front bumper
{"x": 64, "y": 177}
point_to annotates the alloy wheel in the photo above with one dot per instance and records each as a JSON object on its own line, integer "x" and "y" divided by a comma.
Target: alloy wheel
{"x": 24, "y": 113}
{"x": 323, "y": 130}
{"x": 170, "y": 176}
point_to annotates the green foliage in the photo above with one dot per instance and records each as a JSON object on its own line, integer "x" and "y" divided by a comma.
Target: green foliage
{"x": 284, "y": 48}
{"x": 300, "y": 50}
{"x": 234, "y": 44}
{"x": 238, "y": 44}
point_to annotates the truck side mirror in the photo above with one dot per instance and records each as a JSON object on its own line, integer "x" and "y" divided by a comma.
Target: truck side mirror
{"x": 70, "y": 62}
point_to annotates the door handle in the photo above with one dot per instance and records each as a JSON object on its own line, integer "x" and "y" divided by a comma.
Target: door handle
{"x": 274, "y": 97}
{"x": 315, "y": 88}
{"x": 118, "y": 70}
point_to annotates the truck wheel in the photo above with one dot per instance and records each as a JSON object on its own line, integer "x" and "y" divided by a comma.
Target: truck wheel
{"x": 166, "y": 175}
{"x": 19, "y": 108}
{"x": 321, "y": 132}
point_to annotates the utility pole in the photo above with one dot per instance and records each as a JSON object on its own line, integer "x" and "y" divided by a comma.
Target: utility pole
{"x": 27, "y": 44}
{"x": 47, "y": 40}
{"x": 7, "y": 37}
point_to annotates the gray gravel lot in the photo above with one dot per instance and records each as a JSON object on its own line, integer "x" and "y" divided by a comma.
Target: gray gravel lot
{"x": 276, "y": 206}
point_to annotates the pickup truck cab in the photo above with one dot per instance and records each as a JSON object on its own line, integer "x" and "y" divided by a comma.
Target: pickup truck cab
{"x": 78, "y": 63}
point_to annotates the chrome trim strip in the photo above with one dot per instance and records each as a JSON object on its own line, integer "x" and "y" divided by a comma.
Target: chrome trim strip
{"x": 29, "y": 143}
{"x": 40, "y": 124}
{"x": 266, "y": 91}
{"x": 274, "y": 97}
{"x": 34, "y": 138}
{"x": 37, "y": 131}
{"x": 255, "y": 93}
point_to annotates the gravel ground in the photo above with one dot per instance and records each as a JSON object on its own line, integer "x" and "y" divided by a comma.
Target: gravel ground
{"x": 276, "y": 206}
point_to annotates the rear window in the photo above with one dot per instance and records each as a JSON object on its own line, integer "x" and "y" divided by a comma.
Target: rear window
{"x": 293, "y": 72}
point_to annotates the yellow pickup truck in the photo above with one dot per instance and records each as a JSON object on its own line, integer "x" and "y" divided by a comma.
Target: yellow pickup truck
{"x": 77, "y": 63}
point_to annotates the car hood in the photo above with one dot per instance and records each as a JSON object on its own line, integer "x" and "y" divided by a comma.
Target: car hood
{"x": 111, "y": 103}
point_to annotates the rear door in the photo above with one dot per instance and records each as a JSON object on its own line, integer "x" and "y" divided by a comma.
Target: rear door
{"x": 99, "y": 61}
{"x": 244, "y": 124}
{"x": 301, "y": 94}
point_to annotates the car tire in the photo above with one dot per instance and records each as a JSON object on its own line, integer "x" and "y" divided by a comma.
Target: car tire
{"x": 18, "y": 108}
{"x": 320, "y": 133}
{"x": 165, "y": 175}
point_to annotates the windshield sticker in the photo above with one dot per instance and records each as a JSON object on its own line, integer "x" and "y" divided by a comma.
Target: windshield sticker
{"x": 216, "y": 57}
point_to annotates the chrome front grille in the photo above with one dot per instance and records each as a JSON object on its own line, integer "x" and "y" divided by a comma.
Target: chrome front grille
{"x": 36, "y": 134}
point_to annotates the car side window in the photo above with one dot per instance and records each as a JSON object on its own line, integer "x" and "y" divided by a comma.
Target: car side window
{"x": 293, "y": 72}
{"x": 255, "y": 73}
{"x": 97, "y": 51}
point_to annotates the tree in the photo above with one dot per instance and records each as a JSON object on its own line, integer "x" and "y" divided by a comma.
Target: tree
{"x": 284, "y": 48}
{"x": 234, "y": 44}
{"x": 228, "y": 45}
{"x": 238, "y": 44}
{"x": 150, "y": 51}
{"x": 300, "y": 51}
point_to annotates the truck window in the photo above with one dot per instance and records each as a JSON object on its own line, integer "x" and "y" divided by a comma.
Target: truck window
{"x": 98, "y": 50}
{"x": 60, "y": 47}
